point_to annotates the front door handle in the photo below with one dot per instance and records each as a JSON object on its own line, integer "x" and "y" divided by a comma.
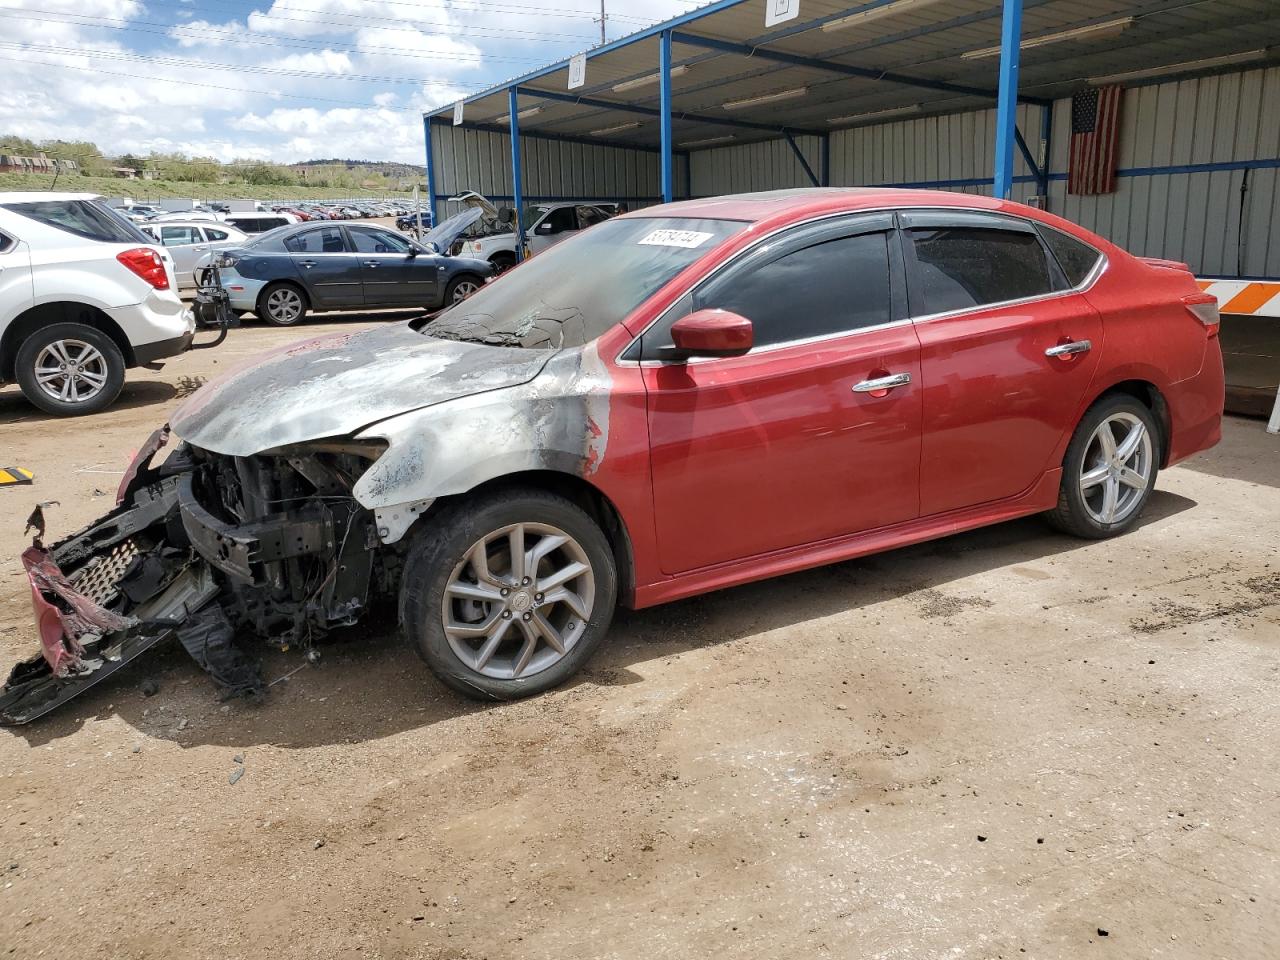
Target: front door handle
{"x": 1070, "y": 349}
{"x": 882, "y": 383}
{"x": 371, "y": 263}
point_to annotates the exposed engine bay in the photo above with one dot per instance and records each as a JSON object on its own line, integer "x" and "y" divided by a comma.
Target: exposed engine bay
{"x": 203, "y": 547}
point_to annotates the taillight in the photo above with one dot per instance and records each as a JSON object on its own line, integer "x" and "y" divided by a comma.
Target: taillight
{"x": 1204, "y": 307}
{"x": 147, "y": 264}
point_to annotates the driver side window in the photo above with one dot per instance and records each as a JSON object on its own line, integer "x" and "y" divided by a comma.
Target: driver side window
{"x": 832, "y": 287}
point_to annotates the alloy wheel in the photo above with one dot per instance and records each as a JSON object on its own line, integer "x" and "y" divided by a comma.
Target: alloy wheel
{"x": 518, "y": 601}
{"x": 1116, "y": 470}
{"x": 71, "y": 371}
{"x": 284, "y": 305}
{"x": 464, "y": 289}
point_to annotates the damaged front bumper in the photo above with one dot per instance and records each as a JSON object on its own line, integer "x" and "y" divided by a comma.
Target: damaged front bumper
{"x": 207, "y": 549}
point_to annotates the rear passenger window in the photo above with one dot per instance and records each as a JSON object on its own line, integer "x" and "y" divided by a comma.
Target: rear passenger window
{"x": 829, "y": 288}
{"x": 83, "y": 218}
{"x": 1077, "y": 259}
{"x": 964, "y": 267}
{"x": 325, "y": 240}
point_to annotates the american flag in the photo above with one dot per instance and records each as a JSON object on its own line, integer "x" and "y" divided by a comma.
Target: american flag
{"x": 1095, "y": 136}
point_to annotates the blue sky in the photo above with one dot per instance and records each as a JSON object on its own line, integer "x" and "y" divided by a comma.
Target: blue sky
{"x": 281, "y": 80}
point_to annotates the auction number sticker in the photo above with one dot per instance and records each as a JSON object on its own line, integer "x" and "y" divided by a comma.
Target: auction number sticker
{"x": 676, "y": 238}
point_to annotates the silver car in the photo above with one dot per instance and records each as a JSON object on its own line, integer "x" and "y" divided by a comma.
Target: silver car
{"x": 190, "y": 242}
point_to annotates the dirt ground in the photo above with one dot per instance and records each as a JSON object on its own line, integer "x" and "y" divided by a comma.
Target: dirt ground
{"x": 1001, "y": 744}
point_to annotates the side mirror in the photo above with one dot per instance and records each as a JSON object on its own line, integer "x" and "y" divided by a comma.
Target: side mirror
{"x": 710, "y": 333}
{"x": 413, "y": 252}
{"x": 507, "y": 215}
{"x": 545, "y": 228}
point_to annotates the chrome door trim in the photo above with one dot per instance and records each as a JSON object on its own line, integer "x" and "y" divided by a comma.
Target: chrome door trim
{"x": 1069, "y": 349}
{"x": 890, "y": 382}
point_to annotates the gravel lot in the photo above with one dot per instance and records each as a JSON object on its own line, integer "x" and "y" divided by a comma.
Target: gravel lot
{"x": 1001, "y": 744}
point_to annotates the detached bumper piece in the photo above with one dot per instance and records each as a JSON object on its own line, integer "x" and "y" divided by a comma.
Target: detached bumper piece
{"x": 102, "y": 598}
{"x": 206, "y": 549}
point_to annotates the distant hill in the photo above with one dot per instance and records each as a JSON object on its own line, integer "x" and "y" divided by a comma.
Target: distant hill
{"x": 385, "y": 167}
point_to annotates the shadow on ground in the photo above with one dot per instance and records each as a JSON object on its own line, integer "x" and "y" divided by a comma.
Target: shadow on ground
{"x": 371, "y": 685}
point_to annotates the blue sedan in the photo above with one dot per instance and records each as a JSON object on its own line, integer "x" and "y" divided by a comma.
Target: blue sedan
{"x": 285, "y": 272}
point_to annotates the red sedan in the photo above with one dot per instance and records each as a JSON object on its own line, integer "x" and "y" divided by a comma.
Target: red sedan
{"x": 677, "y": 400}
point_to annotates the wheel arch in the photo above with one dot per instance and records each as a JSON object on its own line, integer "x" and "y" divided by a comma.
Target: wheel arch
{"x": 577, "y": 490}
{"x": 1150, "y": 396}
{"x": 59, "y": 311}
{"x": 287, "y": 282}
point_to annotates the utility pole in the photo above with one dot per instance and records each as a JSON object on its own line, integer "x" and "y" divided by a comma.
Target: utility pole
{"x": 601, "y": 20}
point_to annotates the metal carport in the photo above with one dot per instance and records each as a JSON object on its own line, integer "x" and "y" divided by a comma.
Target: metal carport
{"x": 717, "y": 77}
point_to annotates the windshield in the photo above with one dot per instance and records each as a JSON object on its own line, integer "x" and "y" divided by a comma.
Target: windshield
{"x": 575, "y": 291}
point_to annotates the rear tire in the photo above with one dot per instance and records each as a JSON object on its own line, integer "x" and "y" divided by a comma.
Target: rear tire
{"x": 480, "y": 625}
{"x": 70, "y": 369}
{"x": 1109, "y": 470}
{"x": 460, "y": 288}
{"x": 282, "y": 305}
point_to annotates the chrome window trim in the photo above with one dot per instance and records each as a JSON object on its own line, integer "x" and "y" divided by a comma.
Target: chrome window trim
{"x": 1088, "y": 282}
{"x": 1099, "y": 268}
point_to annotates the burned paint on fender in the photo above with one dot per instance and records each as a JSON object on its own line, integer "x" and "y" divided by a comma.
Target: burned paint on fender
{"x": 557, "y": 421}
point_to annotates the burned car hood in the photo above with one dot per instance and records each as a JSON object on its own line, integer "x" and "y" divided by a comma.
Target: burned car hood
{"x": 335, "y": 385}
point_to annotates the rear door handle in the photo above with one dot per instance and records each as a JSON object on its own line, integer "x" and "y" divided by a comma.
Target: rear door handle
{"x": 1070, "y": 349}
{"x": 371, "y": 263}
{"x": 882, "y": 383}
{"x": 307, "y": 263}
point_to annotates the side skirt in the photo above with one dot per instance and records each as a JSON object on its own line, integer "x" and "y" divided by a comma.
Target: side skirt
{"x": 1042, "y": 496}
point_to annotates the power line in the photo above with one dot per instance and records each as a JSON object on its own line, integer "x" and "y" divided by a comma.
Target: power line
{"x": 491, "y": 33}
{"x": 211, "y": 86}
{"x": 236, "y": 67}
{"x": 272, "y": 41}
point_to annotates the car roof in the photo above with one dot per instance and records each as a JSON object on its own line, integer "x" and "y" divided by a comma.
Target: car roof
{"x": 215, "y": 224}
{"x": 31, "y": 196}
{"x": 800, "y": 203}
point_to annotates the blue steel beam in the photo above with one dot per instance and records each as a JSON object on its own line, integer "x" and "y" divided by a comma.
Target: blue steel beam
{"x": 1023, "y": 149}
{"x": 795, "y": 148}
{"x": 664, "y": 119}
{"x": 517, "y": 188}
{"x": 1007, "y": 105}
{"x": 1046, "y": 145}
{"x": 653, "y": 112}
{"x": 537, "y": 135}
{"x": 830, "y": 66}
{"x": 431, "y": 172}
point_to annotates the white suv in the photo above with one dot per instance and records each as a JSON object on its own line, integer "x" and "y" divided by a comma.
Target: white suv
{"x": 83, "y": 295}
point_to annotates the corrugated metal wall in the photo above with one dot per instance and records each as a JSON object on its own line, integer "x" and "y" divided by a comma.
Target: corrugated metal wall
{"x": 768, "y": 165}
{"x": 1173, "y": 197}
{"x": 480, "y": 160}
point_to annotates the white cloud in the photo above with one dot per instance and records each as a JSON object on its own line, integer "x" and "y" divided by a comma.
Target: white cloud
{"x": 225, "y": 98}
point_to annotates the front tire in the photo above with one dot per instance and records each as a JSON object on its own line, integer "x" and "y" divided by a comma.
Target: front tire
{"x": 1109, "y": 470}
{"x": 70, "y": 369}
{"x": 494, "y": 629}
{"x": 282, "y": 305}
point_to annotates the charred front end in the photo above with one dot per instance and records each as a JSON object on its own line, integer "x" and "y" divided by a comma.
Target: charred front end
{"x": 210, "y": 549}
{"x": 294, "y": 550}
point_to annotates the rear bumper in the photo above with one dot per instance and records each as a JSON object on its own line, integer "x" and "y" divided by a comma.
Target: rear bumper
{"x": 242, "y": 291}
{"x": 1196, "y": 407}
{"x": 150, "y": 352}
